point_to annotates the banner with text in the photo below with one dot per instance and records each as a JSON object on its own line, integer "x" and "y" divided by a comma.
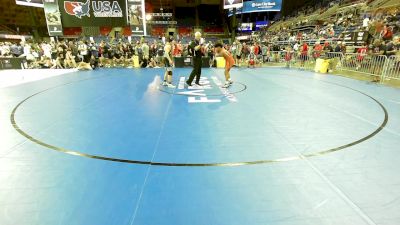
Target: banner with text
{"x": 162, "y": 22}
{"x": 358, "y": 37}
{"x": 261, "y": 24}
{"x": 53, "y": 18}
{"x": 136, "y": 17}
{"x": 34, "y": 3}
{"x": 93, "y": 13}
{"x": 258, "y": 6}
{"x": 230, "y": 4}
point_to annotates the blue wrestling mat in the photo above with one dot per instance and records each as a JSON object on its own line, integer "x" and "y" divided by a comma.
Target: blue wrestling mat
{"x": 279, "y": 147}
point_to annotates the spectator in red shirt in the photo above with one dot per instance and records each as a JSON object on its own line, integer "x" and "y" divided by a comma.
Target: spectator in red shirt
{"x": 387, "y": 33}
{"x": 304, "y": 53}
{"x": 175, "y": 49}
{"x": 256, "y": 49}
{"x": 361, "y": 53}
{"x": 317, "y": 50}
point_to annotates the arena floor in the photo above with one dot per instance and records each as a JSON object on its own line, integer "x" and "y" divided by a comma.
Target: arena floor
{"x": 280, "y": 147}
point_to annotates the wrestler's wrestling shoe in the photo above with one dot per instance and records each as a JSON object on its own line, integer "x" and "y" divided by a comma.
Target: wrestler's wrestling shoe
{"x": 227, "y": 84}
{"x": 171, "y": 86}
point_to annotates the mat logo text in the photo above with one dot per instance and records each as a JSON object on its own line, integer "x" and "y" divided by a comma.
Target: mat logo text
{"x": 199, "y": 95}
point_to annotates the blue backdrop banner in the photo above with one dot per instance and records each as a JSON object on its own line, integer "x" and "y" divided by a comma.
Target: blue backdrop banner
{"x": 258, "y": 6}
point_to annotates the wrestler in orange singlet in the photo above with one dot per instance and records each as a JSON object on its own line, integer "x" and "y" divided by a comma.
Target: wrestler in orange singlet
{"x": 229, "y": 62}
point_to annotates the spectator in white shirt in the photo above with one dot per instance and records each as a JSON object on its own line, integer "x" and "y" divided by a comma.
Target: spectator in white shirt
{"x": 366, "y": 22}
{"x": 83, "y": 51}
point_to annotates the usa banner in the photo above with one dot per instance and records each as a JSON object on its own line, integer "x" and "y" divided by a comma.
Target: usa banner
{"x": 85, "y": 13}
{"x": 136, "y": 17}
{"x": 53, "y": 17}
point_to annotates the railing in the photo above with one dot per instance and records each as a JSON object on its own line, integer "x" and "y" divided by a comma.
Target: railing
{"x": 379, "y": 66}
{"x": 363, "y": 63}
{"x": 392, "y": 68}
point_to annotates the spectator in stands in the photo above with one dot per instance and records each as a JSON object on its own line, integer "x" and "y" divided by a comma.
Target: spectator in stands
{"x": 292, "y": 39}
{"x": 152, "y": 63}
{"x": 268, "y": 54}
{"x": 15, "y": 50}
{"x": 180, "y": 48}
{"x": 365, "y": 22}
{"x": 139, "y": 51}
{"x": 264, "y": 50}
{"x": 45, "y": 62}
{"x": 233, "y": 50}
{"x": 74, "y": 48}
{"x": 327, "y": 47}
{"x": 46, "y": 49}
{"x": 60, "y": 60}
{"x": 304, "y": 53}
{"x": 239, "y": 49}
{"x": 118, "y": 59}
{"x": 378, "y": 48}
{"x": 386, "y": 33}
{"x": 103, "y": 54}
{"x": 70, "y": 59}
{"x": 185, "y": 50}
{"x": 129, "y": 54}
{"x": 61, "y": 44}
{"x": 145, "y": 62}
{"x": 343, "y": 48}
{"x": 111, "y": 53}
{"x": 390, "y": 48}
{"x": 153, "y": 50}
{"x": 288, "y": 55}
{"x": 94, "y": 62}
{"x": 5, "y": 50}
{"x": 145, "y": 50}
{"x": 83, "y": 51}
{"x": 160, "y": 53}
{"x": 54, "y": 50}
{"x": 275, "y": 51}
{"x": 211, "y": 53}
{"x": 206, "y": 49}
{"x": 245, "y": 50}
{"x": 93, "y": 49}
{"x": 296, "y": 47}
{"x": 317, "y": 50}
{"x": 338, "y": 47}
{"x": 361, "y": 53}
{"x": 396, "y": 44}
{"x": 174, "y": 50}
{"x": 28, "y": 53}
{"x": 251, "y": 59}
{"x": 258, "y": 52}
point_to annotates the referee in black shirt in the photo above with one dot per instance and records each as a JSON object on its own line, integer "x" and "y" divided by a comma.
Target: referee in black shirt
{"x": 196, "y": 52}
